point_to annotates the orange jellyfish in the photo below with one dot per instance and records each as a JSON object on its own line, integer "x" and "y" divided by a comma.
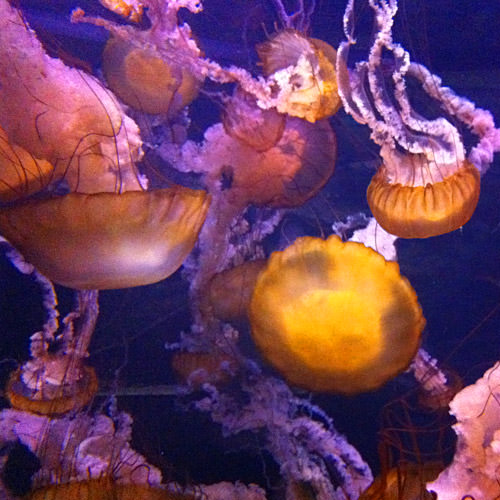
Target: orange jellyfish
{"x": 414, "y": 198}
{"x": 230, "y": 291}
{"x": 198, "y": 368}
{"x": 55, "y": 380}
{"x": 427, "y": 185}
{"x": 107, "y": 240}
{"x": 334, "y": 316}
{"x": 303, "y": 71}
{"x": 145, "y": 81}
{"x": 261, "y": 129}
{"x": 103, "y": 489}
{"x": 287, "y": 174}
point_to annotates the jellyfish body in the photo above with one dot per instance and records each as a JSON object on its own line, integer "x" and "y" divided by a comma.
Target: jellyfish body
{"x": 261, "y": 129}
{"x": 427, "y": 185}
{"x": 145, "y": 81}
{"x": 411, "y": 201}
{"x": 107, "y": 240}
{"x": 25, "y": 392}
{"x": 285, "y": 175}
{"x": 334, "y": 316}
{"x": 304, "y": 72}
{"x": 103, "y": 489}
{"x": 230, "y": 291}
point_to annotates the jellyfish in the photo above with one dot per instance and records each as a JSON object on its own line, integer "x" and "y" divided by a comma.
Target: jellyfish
{"x": 107, "y": 240}
{"x": 56, "y": 380}
{"x": 64, "y": 116}
{"x": 334, "y": 316}
{"x": 426, "y": 186}
{"x": 303, "y": 71}
{"x": 230, "y": 291}
{"x": 101, "y": 489}
{"x": 145, "y": 81}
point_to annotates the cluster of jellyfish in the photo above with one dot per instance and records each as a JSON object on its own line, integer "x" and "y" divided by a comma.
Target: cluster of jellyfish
{"x": 84, "y": 206}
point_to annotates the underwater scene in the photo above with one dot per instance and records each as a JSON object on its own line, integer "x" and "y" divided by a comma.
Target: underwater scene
{"x": 249, "y": 249}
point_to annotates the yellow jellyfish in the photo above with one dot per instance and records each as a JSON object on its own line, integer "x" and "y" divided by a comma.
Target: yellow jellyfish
{"x": 304, "y": 71}
{"x": 412, "y": 199}
{"x": 145, "y": 81}
{"x": 107, "y": 240}
{"x": 334, "y": 316}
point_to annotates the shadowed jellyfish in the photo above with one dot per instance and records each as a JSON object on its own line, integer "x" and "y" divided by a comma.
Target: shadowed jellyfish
{"x": 334, "y": 316}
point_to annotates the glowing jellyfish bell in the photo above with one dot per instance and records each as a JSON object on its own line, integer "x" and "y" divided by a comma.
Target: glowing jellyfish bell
{"x": 334, "y": 316}
{"x": 412, "y": 197}
{"x": 107, "y": 240}
{"x": 427, "y": 185}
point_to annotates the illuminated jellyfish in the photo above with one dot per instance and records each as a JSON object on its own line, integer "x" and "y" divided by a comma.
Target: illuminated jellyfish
{"x": 334, "y": 316}
{"x": 303, "y": 69}
{"x": 426, "y": 185}
{"x": 106, "y": 240}
{"x": 108, "y": 232}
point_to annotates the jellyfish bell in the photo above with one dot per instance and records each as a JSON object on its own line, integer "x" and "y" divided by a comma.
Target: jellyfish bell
{"x": 413, "y": 198}
{"x": 107, "y": 240}
{"x": 63, "y": 115}
{"x": 334, "y": 316}
{"x": 61, "y": 389}
{"x": 145, "y": 81}
{"x": 304, "y": 73}
{"x": 261, "y": 129}
{"x": 285, "y": 175}
{"x": 103, "y": 489}
{"x": 229, "y": 292}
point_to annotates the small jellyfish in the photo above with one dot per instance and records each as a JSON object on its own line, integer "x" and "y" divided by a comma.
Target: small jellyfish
{"x": 405, "y": 482}
{"x": 145, "y": 81}
{"x": 334, "y": 316}
{"x": 303, "y": 71}
{"x": 230, "y": 291}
